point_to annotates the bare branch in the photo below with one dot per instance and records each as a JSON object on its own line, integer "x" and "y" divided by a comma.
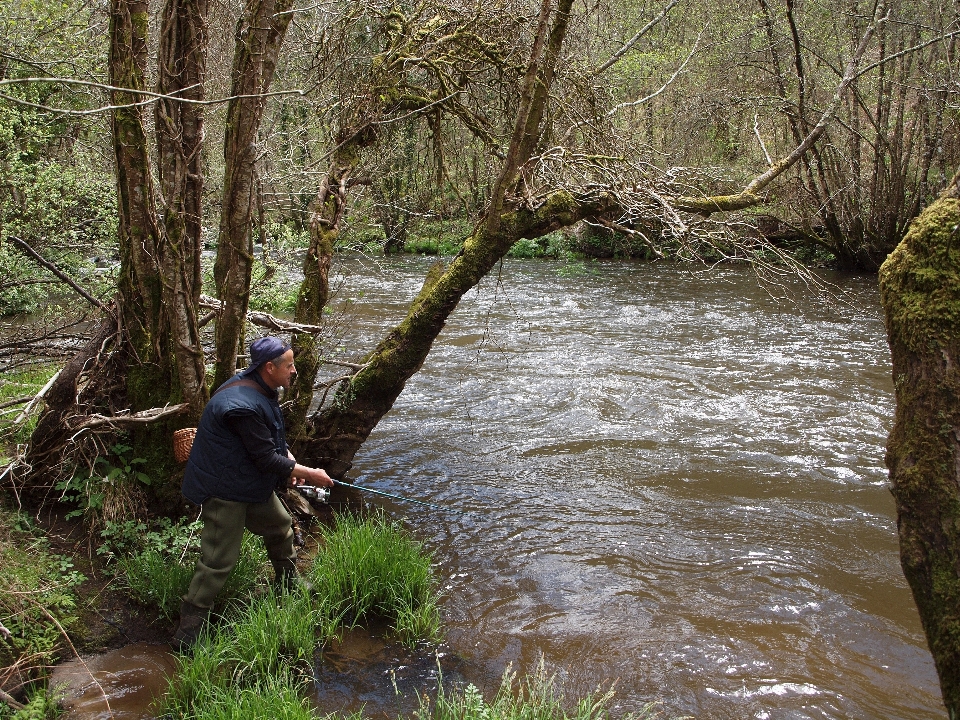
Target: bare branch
{"x": 667, "y": 84}
{"x": 260, "y": 319}
{"x": 144, "y": 417}
{"x": 636, "y": 38}
{"x": 151, "y": 97}
{"x": 25, "y": 248}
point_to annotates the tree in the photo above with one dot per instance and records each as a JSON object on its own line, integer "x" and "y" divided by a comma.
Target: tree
{"x": 920, "y": 292}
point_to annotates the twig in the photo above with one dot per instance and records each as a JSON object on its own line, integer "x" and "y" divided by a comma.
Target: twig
{"x": 18, "y": 401}
{"x": 10, "y": 701}
{"x": 25, "y": 248}
{"x": 633, "y": 41}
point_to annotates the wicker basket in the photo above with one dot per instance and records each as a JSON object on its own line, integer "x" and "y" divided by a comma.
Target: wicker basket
{"x": 182, "y": 442}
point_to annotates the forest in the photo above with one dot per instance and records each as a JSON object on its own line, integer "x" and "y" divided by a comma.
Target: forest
{"x": 178, "y": 178}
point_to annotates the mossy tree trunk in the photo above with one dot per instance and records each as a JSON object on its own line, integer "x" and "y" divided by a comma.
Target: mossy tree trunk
{"x": 260, "y": 34}
{"x": 920, "y": 292}
{"x": 155, "y": 358}
{"x": 179, "y": 129}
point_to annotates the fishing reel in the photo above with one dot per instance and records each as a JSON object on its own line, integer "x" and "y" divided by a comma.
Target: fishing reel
{"x": 312, "y": 492}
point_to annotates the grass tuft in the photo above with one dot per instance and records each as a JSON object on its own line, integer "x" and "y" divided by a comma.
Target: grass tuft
{"x": 370, "y": 567}
{"x": 536, "y": 697}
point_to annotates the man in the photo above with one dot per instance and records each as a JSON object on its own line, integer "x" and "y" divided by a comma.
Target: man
{"x": 239, "y": 457}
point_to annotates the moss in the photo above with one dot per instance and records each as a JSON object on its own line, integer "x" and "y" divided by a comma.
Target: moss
{"x": 920, "y": 292}
{"x": 920, "y": 280}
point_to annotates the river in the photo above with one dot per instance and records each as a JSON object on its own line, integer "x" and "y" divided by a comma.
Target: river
{"x": 673, "y": 478}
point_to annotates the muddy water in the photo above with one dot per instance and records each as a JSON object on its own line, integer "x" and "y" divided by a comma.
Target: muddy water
{"x": 672, "y": 479}
{"x": 118, "y": 685}
{"x": 675, "y": 479}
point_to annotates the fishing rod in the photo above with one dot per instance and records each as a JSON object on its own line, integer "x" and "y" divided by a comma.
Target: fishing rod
{"x": 322, "y": 494}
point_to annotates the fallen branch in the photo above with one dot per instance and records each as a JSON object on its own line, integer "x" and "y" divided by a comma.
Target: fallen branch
{"x": 36, "y": 398}
{"x": 26, "y": 249}
{"x": 144, "y": 417}
{"x": 261, "y": 319}
{"x": 18, "y": 401}
{"x": 10, "y": 701}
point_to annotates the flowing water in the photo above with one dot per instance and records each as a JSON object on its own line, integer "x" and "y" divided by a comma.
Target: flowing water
{"x": 674, "y": 480}
{"x": 665, "y": 477}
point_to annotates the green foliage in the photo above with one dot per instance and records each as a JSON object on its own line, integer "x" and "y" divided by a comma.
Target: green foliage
{"x": 437, "y": 237}
{"x": 37, "y": 594}
{"x": 108, "y": 490}
{"x": 272, "y": 292}
{"x": 53, "y": 195}
{"x": 42, "y": 705}
{"x": 536, "y": 697}
{"x": 370, "y": 567}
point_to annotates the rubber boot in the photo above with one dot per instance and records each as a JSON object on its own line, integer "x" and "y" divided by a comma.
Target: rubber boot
{"x": 192, "y": 621}
{"x": 288, "y": 578}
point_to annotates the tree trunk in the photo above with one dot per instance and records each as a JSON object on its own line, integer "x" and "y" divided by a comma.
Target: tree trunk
{"x": 326, "y": 218}
{"x": 920, "y": 292}
{"x": 179, "y": 127}
{"x": 260, "y": 34}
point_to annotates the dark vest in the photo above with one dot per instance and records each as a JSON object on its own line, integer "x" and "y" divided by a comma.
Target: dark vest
{"x": 219, "y": 465}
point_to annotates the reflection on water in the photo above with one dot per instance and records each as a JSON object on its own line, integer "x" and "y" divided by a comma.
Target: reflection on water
{"x": 118, "y": 685}
{"x": 675, "y": 480}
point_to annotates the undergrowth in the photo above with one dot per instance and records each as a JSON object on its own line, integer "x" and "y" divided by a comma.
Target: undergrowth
{"x": 38, "y": 602}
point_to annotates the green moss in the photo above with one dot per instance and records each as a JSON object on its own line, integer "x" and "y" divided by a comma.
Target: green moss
{"x": 920, "y": 280}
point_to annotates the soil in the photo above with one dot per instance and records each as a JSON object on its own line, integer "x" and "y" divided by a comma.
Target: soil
{"x": 109, "y": 619}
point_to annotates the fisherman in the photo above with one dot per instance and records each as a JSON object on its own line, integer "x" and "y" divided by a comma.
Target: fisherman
{"x": 238, "y": 459}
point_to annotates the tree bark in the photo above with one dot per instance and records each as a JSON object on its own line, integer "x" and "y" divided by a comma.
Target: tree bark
{"x": 260, "y": 34}
{"x": 179, "y": 127}
{"x": 920, "y": 292}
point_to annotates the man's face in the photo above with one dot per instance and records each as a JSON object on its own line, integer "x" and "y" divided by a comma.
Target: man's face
{"x": 279, "y": 374}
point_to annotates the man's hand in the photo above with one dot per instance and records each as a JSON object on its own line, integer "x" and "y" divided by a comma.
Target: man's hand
{"x": 303, "y": 475}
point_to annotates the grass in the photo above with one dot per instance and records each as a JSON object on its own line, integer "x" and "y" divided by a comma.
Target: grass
{"x": 536, "y": 697}
{"x": 370, "y": 567}
{"x": 265, "y": 646}
{"x": 38, "y": 603}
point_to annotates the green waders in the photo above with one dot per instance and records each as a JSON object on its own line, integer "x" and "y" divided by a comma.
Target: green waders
{"x": 223, "y": 525}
